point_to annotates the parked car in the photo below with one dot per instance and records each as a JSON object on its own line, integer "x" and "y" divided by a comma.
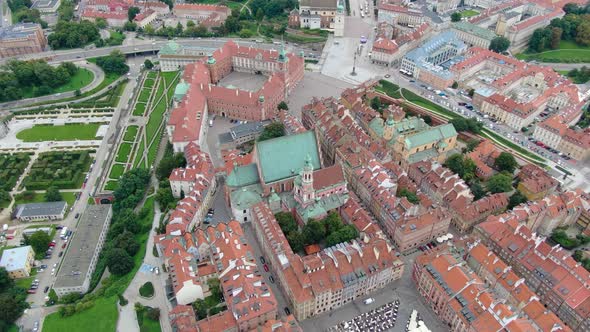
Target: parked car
{"x": 265, "y": 267}
{"x": 46, "y": 289}
{"x": 64, "y": 245}
{"x": 61, "y": 253}
{"x": 262, "y": 259}
{"x": 287, "y": 311}
{"x": 157, "y": 271}
{"x": 77, "y": 215}
{"x": 31, "y": 291}
{"x": 271, "y": 279}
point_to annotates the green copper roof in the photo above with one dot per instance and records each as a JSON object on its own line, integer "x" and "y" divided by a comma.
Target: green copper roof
{"x": 321, "y": 207}
{"x": 422, "y": 155}
{"x": 171, "y": 48}
{"x": 431, "y": 135}
{"x": 474, "y": 30}
{"x": 181, "y": 90}
{"x": 406, "y": 125}
{"x": 243, "y": 176}
{"x": 245, "y": 197}
{"x": 211, "y": 60}
{"x": 283, "y": 157}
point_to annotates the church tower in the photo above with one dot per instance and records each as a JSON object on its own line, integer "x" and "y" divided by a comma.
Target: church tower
{"x": 339, "y": 19}
{"x": 388, "y": 128}
{"x": 304, "y": 192}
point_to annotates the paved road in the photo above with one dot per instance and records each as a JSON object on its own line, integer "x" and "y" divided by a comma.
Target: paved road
{"x": 142, "y": 46}
{"x": 564, "y": 66}
{"x": 98, "y": 78}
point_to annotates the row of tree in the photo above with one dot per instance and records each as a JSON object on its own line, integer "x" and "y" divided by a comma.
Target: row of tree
{"x": 17, "y": 76}
{"x": 22, "y": 12}
{"x": 13, "y": 301}
{"x": 330, "y": 229}
{"x": 70, "y": 34}
{"x": 113, "y": 63}
{"x": 574, "y": 26}
{"x": 471, "y": 125}
{"x": 167, "y": 164}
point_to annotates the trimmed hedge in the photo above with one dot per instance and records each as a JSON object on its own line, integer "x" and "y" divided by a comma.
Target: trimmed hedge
{"x": 63, "y": 169}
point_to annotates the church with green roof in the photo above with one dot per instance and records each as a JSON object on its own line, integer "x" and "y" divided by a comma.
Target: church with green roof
{"x": 413, "y": 140}
{"x": 287, "y": 173}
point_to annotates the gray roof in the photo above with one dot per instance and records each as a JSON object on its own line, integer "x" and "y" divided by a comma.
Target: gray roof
{"x": 44, "y": 4}
{"x": 247, "y": 129}
{"x": 76, "y": 262}
{"x": 318, "y": 3}
{"x": 19, "y": 30}
{"x": 40, "y": 209}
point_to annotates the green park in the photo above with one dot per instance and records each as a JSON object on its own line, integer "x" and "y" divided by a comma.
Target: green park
{"x": 67, "y": 132}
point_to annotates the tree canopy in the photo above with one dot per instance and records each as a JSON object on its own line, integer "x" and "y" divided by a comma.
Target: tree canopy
{"x": 505, "y": 162}
{"x": 273, "y": 130}
{"x": 39, "y": 241}
{"x": 131, "y": 188}
{"x": 132, "y": 12}
{"x": 516, "y": 199}
{"x": 471, "y": 125}
{"x": 113, "y": 63}
{"x": 71, "y": 34}
{"x": 499, "y": 44}
{"x": 499, "y": 183}
{"x": 463, "y": 166}
{"x": 455, "y": 17}
{"x": 119, "y": 261}
{"x": 53, "y": 195}
{"x": 282, "y": 106}
{"x": 412, "y": 197}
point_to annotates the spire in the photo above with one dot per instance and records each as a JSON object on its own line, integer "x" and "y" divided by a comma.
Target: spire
{"x": 283, "y": 52}
{"x": 308, "y": 163}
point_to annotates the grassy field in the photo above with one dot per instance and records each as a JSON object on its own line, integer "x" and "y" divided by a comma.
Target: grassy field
{"x": 169, "y": 77}
{"x": 69, "y": 132}
{"x": 123, "y": 154}
{"x": 101, "y": 317}
{"x": 139, "y": 155}
{"x": 111, "y": 185}
{"x": 144, "y": 95}
{"x": 568, "y": 52}
{"x": 148, "y": 83}
{"x": 82, "y": 78}
{"x": 301, "y": 39}
{"x": 130, "y": 133}
{"x": 469, "y": 13}
{"x": 153, "y": 149}
{"x": 148, "y": 325}
{"x": 69, "y": 197}
{"x": 116, "y": 171}
{"x": 139, "y": 109}
{"x": 152, "y": 74}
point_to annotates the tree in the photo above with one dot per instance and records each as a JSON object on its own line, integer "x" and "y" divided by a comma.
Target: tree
{"x": 259, "y": 15}
{"x": 39, "y": 241}
{"x": 516, "y": 199}
{"x": 505, "y": 162}
{"x": 313, "y": 232}
{"x": 477, "y": 190}
{"x": 283, "y": 106}
{"x": 455, "y": 163}
{"x": 148, "y": 64}
{"x": 165, "y": 198}
{"x": 499, "y": 183}
{"x": 132, "y": 12}
{"x": 471, "y": 92}
{"x": 169, "y": 162}
{"x": 53, "y": 195}
{"x": 12, "y": 306}
{"x": 200, "y": 309}
{"x": 70, "y": 34}
{"x": 333, "y": 239}
{"x": 286, "y": 222}
{"x": 101, "y": 23}
{"x": 127, "y": 242}
{"x": 296, "y": 241}
{"x": 215, "y": 288}
{"x": 119, "y": 261}
{"x": 583, "y": 33}
{"x": 555, "y": 38}
{"x": 130, "y": 26}
{"x": 455, "y": 85}
{"x": 273, "y": 130}
{"x": 455, "y": 17}
{"x": 113, "y": 63}
{"x": 376, "y": 103}
{"x": 153, "y": 314}
{"x": 4, "y": 196}
{"x": 411, "y": 197}
{"x": 77, "y": 93}
{"x": 6, "y": 282}
{"x": 460, "y": 124}
{"x": 232, "y": 24}
{"x": 499, "y": 44}
{"x": 471, "y": 145}
{"x": 332, "y": 222}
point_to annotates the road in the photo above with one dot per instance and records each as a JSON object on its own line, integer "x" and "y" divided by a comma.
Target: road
{"x": 38, "y": 311}
{"x": 143, "y": 46}
{"x": 98, "y": 78}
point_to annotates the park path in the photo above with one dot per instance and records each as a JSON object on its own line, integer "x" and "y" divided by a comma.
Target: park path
{"x": 245, "y": 5}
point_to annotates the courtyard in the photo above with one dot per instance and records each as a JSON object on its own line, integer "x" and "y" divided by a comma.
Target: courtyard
{"x": 243, "y": 81}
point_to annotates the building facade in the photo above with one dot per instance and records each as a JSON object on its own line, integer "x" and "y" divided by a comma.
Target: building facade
{"x": 18, "y": 261}
{"x": 20, "y": 39}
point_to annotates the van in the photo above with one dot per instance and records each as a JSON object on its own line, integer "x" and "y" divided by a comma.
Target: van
{"x": 210, "y": 123}
{"x": 369, "y": 300}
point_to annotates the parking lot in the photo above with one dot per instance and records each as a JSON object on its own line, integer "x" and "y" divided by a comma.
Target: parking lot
{"x": 377, "y": 320}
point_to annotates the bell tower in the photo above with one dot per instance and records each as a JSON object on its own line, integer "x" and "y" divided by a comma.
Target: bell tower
{"x": 304, "y": 192}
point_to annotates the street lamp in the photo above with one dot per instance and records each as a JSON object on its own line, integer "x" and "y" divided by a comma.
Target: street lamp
{"x": 353, "y": 66}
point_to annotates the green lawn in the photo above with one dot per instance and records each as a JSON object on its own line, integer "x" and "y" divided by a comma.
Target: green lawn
{"x": 130, "y": 133}
{"x": 148, "y": 325}
{"x": 69, "y": 132}
{"x": 101, "y": 317}
{"x": 152, "y": 74}
{"x": 123, "y": 154}
{"x": 568, "y": 52}
{"x": 144, "y": 96}
{"x": 303, "y": 39}
{"x": 169, "y": 77}
{"x": 469, "y": 13}
{"x": 139, "y": 155}
{"x": 69, "y": 197}
{"x": 153, "y": 149}
{"x": 139, "y": 109}
{"x": 116, "y": 171}
{"x": 82, "y": 78}
{"x": 111, "y": 185}
{"x": 148, "y": 83}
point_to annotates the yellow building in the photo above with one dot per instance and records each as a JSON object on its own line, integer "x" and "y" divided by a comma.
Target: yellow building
{"x": 18, "y": 261}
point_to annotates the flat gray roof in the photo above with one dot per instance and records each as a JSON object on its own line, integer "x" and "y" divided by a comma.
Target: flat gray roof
{"x": 40, "y": 209}
{"x": 76, "y": 262}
